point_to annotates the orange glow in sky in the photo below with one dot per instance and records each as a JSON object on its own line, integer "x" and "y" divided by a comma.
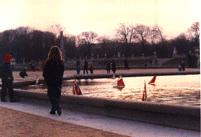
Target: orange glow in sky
{"x": 100, "y": 16}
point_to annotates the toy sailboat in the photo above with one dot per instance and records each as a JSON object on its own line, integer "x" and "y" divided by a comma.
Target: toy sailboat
{"x": 120, "y": 83}
{"x": 152, "y": 81}
{"x": 76, "y": 89}
{"x": 113, "y": 77}
{"x": 144, "y": 96}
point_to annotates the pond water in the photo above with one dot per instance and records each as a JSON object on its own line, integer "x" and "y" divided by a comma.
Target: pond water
{"x": 180, "y": 89}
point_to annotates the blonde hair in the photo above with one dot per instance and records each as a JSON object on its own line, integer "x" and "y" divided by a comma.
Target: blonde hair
{"x": 55, "y": 54}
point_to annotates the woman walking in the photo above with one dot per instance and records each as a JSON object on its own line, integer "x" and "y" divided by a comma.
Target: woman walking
{"x": 53, "y": 75}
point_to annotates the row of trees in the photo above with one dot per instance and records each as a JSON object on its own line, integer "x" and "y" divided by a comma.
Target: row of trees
{"x": 26, "y": 43}
{"x": 138, "y": 40}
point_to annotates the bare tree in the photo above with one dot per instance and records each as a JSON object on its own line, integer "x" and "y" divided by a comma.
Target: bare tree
{"x": 104, "y": 40}
{"x": 156, "y": 35}
{"x": 56, "y": 29}
{"x": 194, "y": 32}
{"x": 125, "y": 33}
{"x": 87, "y": 37}
{"x": 142, "y": 33}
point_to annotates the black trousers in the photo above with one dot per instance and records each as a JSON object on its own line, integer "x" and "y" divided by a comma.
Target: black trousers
{"x": 85, "y": 69}
{"x": 7, "y": 85}
{"x": 54, "y": 94}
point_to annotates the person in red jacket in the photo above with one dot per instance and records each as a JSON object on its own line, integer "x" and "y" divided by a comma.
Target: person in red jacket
{"x": 53, "y": 75}
{"x": 7, "y": 79}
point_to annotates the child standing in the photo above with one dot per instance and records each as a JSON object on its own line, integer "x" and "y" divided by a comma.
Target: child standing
{"x": 7, "y": 79}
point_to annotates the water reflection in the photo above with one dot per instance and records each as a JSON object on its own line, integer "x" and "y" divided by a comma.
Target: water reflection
{"x": 182, "y": 90}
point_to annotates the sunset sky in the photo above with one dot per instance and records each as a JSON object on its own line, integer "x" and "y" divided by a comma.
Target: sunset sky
{"x": 100, "y": 16}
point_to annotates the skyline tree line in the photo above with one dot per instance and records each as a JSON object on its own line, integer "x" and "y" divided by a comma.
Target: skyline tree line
{"x": 26, "y": 43}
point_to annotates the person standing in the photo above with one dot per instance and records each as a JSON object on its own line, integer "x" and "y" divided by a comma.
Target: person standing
{"x": 7, "y": 79}
{"x": 85, "y": 66}
{"x": 108, "y": 67}
{"x": 126, "y": 64}
{"x": 91, "y": 68}
{"x": 53, "y": 75}
{"x": 113, "y": 66}
{"x": 183, "y": 65}
{"x": 32, "y": 66}
{"x": 78, "y": 66}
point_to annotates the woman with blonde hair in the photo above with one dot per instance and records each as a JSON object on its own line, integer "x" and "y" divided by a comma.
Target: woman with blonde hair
{"x": 53, "y": 75}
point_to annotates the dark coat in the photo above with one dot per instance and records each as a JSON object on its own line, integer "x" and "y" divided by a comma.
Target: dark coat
{"x": 6, "y": 71}
{"x": 53, "y": 73}
{"x": 23, "y": 73}
{"x": 85, "y": 65}
{"x": 108, "y": 66}
{"x": 77, "y": 63}
{"x": 113, "y": 66}
{"x": 126, "y": 63}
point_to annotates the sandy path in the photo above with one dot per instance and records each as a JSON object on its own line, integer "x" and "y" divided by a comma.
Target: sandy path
{"x": 18, "y": 124}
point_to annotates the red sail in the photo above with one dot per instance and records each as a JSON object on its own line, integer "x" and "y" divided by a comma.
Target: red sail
{"x": 76, "y": 89}
{"x": 152, "y": 80}
{"x": 120, "y": 82}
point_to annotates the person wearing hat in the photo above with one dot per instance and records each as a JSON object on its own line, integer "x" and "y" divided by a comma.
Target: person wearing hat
{"x": 7, "y": 79}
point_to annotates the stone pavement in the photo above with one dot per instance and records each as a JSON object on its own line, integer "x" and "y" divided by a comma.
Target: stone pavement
{"x": 32, "y": 119}
{"x": 32, "y": 75}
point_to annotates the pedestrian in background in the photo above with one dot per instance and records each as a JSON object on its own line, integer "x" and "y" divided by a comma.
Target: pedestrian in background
{"x": 7, "y": 79}
{"x": 85, "y": 67}
{"x": 23, "y": 73}
{"x": 32, "y": 66}
{"x": 78, "y": 66}
{"x": 53, "y": 75}
{"x": 126, "y": 64}
{"x": 91, "y": 68}
{"x": 113, "y": 66}
{"x": 108, "y": 67}
{"x": 183, "y": 65}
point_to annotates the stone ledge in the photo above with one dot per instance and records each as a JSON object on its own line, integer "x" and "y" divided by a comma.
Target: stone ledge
{"x": 161, "y": 114}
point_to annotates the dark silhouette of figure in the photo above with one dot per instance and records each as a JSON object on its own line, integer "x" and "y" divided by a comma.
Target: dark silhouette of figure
{"x": 85, "y": 67}
{"x": 156, "y": 61}
{"x": 32, "y": 67}
{"x": 78, "y": 66}
{"x": 150, "y": 62}
{"x": 91, "y": 69}
{"x": 53, "y": 75}
{"x": 179, "y": 67}
{"x": 108, "y": 67}
{"x": 126, "y": 64}
{"x": 23, "y": 73}
{"x": 113, "y": 66}
{"x": 7, "y": 79}
{"x": 145, "y": 65}
{"x": 183, "y": 65}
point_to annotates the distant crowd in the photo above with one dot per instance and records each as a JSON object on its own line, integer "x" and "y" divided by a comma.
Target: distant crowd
{"x": 110, "y": 65}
